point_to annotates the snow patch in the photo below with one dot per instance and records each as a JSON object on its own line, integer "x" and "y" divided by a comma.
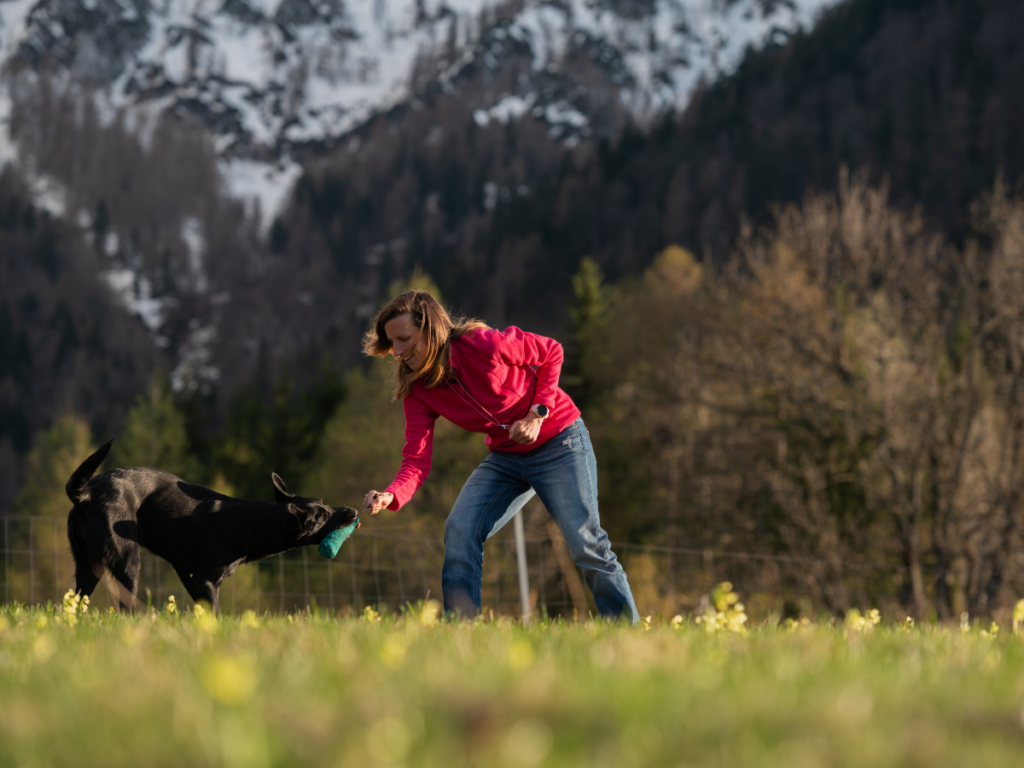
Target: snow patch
{"x": 47, "y": 193}
{"x": 195, "y": 240}
{"x": 265, "y": 187}
{"x": 13, "y": 15}
{"x": 509, "y": 108}
{"x": 194, "y": 370}
{"x": 8, "y": 149}
{"x": 111, "y": 244}
{"x": 136, "y": 294}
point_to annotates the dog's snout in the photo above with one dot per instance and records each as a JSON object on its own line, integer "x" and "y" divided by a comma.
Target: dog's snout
{"x": 347, "y": 514}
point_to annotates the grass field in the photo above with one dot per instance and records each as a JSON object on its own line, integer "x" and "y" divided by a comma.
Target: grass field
{"x": 169, "y": 689}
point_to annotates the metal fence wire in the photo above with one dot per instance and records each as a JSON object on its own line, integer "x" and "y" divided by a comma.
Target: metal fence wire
{"x": 390, "y": 569}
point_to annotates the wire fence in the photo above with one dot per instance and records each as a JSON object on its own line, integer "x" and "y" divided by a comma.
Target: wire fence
{"x": 391, "y": 568}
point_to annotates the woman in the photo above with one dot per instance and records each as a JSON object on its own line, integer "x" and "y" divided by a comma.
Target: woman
{"x": 505, "y": 385}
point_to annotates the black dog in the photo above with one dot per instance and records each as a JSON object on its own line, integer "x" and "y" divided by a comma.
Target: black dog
{"x": 203, "y": 534}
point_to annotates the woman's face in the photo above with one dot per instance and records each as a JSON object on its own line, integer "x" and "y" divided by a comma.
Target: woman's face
{"x": 406, "y": 340}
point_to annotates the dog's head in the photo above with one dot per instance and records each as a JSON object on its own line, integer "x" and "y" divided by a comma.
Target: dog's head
{"x": 310, "y": 518}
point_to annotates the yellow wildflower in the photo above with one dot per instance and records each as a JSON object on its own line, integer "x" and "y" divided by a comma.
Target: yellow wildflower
{"x": 863, "y": 623}
{"x": 229, "y": 679}
{"x": 393, "y": 651}
{"x": 205, "y": 620}
{"x": 429, "y": 615}
{"x": 723, "y": 596}
{"x": 371, "y": 615}
{"x": 71, "y": 603}
{"x": 520, "y": 655}
{"x": 727, "y": 613}
{"x": 44, "y": 647}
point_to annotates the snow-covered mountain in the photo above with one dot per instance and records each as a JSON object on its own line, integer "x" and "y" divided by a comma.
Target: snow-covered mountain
{"x": 270, "y": 75}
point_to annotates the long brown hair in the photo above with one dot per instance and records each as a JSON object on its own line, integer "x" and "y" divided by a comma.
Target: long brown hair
{"x": 433, "y": 320}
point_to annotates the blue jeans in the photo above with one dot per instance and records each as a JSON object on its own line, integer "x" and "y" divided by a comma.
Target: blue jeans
{"x": 563, "y": 472}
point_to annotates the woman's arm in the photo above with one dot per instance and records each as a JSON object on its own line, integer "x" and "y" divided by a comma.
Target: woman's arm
{"x": 518, "y": 347}
{"x": 416, "y": 457}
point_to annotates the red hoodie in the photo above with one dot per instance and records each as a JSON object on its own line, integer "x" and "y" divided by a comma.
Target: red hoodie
{"x": 502, "y": 374}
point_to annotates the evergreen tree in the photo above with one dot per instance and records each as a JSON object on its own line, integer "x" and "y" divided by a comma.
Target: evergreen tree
{"x": 154, "y": 433}
{"x": 417, "y": 281}
{"x": 40, "y": 567}
{"x": 589, "y": 316}
{"x": 282, "y": 435}
{"x": 55, "y": 454}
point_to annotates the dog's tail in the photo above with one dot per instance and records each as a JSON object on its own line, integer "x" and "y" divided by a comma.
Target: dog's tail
{"x": 78, "y": 486}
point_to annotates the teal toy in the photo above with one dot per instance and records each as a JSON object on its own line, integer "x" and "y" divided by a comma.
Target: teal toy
{"x": 332, "y": 541}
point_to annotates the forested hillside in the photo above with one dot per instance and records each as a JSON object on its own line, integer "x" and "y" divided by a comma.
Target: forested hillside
{"x": 922, "y": 93}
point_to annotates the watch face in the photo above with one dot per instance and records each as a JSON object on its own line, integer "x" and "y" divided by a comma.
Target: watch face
{"x": 542, "y": 411}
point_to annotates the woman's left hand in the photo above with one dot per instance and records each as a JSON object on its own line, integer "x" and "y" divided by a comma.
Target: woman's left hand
{"x": 526, "y": 431}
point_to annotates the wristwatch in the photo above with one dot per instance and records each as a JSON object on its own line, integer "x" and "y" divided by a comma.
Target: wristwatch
{"x": 541, "y": 410}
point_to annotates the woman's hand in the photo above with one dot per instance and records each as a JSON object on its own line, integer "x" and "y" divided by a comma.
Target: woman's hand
{"x": 526, "y": 431}
{"x": 374, "y": 502}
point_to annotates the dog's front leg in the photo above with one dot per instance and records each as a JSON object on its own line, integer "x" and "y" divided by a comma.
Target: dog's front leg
{"x": 199, "y": 589}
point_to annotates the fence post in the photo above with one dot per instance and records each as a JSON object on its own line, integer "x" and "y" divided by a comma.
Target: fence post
{"x": 376, "y": 574}
{"x": 56, "y": 565}
{"x": 398, "y": 574}
{"x": 524, "y": 577}
{"x": 423, "y": 571}
{"x": 305, "y": 576}
{"x": 7, "y": 563}
{"x": 330, "y": 585}
{"x": 280, "y": 583}
{"x": 541, "y": 578}
{"x": 352, "y": 571}
{"x": 31, "y": 562}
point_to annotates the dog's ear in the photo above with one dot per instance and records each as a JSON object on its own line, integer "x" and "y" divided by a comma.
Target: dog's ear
{"x": 302, "y": 522}
{"x": 296, "y": 520}
{"x": 280, "y": 489}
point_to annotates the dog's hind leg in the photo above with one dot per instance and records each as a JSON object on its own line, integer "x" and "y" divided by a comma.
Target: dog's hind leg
{"x": 118, "y": 592}
{"x": 125, "y": 570}
{"x": 86, "y": 579}
{"x": 86, "y": 576}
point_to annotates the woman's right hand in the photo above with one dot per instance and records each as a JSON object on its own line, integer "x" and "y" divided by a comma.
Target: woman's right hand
{"x": 375, "y": 501}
